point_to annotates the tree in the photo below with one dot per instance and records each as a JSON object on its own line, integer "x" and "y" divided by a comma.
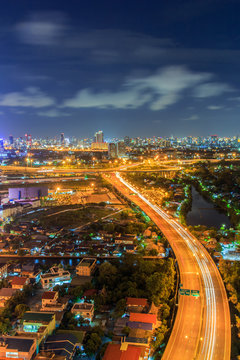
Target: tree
{"x": 5, "y": 325}
{"x": 164, "y": 312}
{"x": 107, "y": 274}
{"x": 102, "y": 351}
{"x": 120, "y": 308}
{"x": 92, "y": 344}
{"x": 153, "y": 252}
{"x": 159, "y": 335}
{"x": 20, "y": 310}
{"x": 126, "y": 330}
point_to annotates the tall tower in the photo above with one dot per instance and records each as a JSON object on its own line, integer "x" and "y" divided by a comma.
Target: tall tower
{"x": 62, "y": 139}
{"x": 99, "y": 137}
{"x": 28, "y": 138}
{"x": 10, "y": 140}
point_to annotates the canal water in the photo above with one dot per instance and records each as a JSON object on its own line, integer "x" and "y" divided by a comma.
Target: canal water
{"x": 204, "y": 212}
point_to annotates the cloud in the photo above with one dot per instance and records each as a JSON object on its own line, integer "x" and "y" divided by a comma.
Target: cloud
{"x": 42, "y": 29}
{"x": 191, "y": 118}
{"x": 211, "y": 89}
{"x": 30, "y": 97}
{"x": 214, "y": 107}
{"x": 118, "y": 100}
{"x": 158, "y": 90}
{"x": 234, "y": 98}
{"x": 52, "y": 113}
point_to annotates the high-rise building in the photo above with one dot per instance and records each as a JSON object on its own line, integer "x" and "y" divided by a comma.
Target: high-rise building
{"x": 1, "y": 144}
{"x": 10, "y": 140}
{"x": 112, "y": 150}
{"x": 62, "y": 139}
{"x": 98, "y": 138}
{"x": 127, "y": 140}
{"x": 121, "y": 149}
{"x": 28, "y": 139}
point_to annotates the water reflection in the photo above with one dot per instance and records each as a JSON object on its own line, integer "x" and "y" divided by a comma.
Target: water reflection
{"x": 205, "y": 213}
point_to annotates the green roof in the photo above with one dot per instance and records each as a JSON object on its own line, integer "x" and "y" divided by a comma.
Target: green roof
{"x": 37, "y": 316}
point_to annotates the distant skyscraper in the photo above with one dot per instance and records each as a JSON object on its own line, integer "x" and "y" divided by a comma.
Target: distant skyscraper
{"x": 28, "y": 138}
{"x": 127, "y": 140}
{"x": 112, "y": 150}
{"x": 10, "y": 140}
{"x": 62, "y": 139}
{"x": 121, "y": 149}
{"x": 1, "y": 144}
{"x": 98, "y": 138}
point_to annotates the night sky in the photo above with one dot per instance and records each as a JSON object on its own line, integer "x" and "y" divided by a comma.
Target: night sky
{"x": 137, "y": 68}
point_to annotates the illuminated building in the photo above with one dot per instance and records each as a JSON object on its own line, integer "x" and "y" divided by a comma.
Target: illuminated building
{"x": 86, "y": 267}
{"x": 84, "y": 310}
{"x": 127, "y": 140}
{"x": 112, "y": 150}
{"x": 10, "y": 140}
{"x": 98, "y": 137}
{"x": 121, "y": 149}
{"x": 99, "y": 146}
{"x": 17, "y": 347}
{"x": 19, "y": 282}
{"x": 62, "y": 139}
{"x": 56, "y": 276}
{"x": 28, "y": 138}
{"x": 39, "y": 324}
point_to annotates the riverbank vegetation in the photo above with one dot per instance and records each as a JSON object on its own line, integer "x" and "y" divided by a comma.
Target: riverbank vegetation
{"x": 230, "y": 272}
{"x": 220, "y": 184}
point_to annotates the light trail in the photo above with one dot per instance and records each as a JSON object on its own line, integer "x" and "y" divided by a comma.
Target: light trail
{"x": 208, "y": 343}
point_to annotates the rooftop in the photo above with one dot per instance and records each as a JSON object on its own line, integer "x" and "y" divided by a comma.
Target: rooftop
{"x": 139, "y": 325}
{"x": 145, "y": 318}
{"x": 136, "y": 301}
{"x": 51, "y": 275}
{"x": 7, "y": 292}
{"x": 87, "y": 262}
{"x": 49, "y": 295}
{"x": 30, "y": 316}
{"x": 113, "y": 352}
{"x": 61, "y": 344}
{"x": 17, "y": 342}
{"x": 82, "y": 306}
{"x": 17, "y": 280}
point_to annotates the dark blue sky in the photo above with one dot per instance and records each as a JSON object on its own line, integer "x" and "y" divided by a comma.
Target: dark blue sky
{"x": 126, "y": 67}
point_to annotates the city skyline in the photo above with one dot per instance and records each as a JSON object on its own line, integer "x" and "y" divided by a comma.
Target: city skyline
{"x": 173, "y": 69}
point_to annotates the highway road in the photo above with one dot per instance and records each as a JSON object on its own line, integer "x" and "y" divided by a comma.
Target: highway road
{"x": 202, "y": 328}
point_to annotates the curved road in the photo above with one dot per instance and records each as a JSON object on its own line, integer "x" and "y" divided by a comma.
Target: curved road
{"x": 202, "y": 328}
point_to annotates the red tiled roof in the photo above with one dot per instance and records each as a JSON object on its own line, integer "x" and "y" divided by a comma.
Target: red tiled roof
{"x": 113, "y": 352}
{"x": 17, "y": 280}
{"x": 48, "y": 295}
{"x": 136, "y": 301}
{"x": 145, "y": 318}
{"x": 90, "y": 292}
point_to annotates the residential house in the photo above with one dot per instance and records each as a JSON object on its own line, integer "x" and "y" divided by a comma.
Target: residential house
{"x": 49, "y": 298}
{"x": 38, "y": 325}
{"x": 19, "y": 282}
{"x": 3, "y": 271}
{"x": 61, "y": 344}
{"x": 5, "y": 295}
{"x": 84, "y": 310}
{"x": 145, "y": 318}
{"x": 86, "y": 267}
{"x": 17, "y": 347}
{"x": 117, "y": 352}
{"x": 136, "y": 304}
{"x": 56, "y": 276}
{"x": 51, "y": 302}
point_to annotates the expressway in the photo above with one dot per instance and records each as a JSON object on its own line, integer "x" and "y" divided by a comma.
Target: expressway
{"x": 202, "y": 328}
